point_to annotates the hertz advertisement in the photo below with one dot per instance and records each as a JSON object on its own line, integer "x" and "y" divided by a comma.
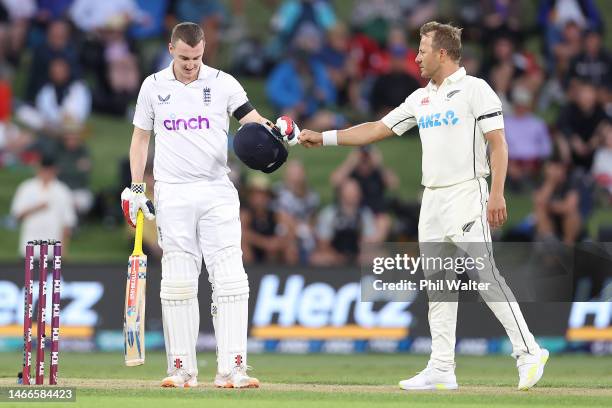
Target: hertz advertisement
{"x": 297, "y": 310}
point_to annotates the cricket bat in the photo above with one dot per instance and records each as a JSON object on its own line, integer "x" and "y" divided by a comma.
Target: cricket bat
{"x": 135, "y": 296}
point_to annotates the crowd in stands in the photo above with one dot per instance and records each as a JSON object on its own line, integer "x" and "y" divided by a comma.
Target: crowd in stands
{"x": 552, "y": 72}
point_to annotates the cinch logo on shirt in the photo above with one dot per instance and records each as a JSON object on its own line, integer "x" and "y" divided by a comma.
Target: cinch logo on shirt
{"x": 189, "y": 123}
{"x": 437, "y": 119}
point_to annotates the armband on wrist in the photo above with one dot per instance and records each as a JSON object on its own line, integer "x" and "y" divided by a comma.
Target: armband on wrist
{"x": 330, "y": 138}
{"x": 138, "y": 188}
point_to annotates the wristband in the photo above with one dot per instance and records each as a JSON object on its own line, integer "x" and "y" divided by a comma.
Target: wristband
{"x": 138, "y": 188}
{"x": 330, "y": 138}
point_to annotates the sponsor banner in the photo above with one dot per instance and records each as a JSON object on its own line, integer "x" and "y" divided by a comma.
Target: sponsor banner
{"x": 299, "y": 310}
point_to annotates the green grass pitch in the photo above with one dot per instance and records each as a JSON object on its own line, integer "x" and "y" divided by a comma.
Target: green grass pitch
{"x": 318, "y": 380}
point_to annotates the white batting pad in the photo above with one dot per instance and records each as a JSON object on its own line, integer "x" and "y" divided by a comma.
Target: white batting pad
{"x": 180, "y": 310}
{"x": 229, "y": 309}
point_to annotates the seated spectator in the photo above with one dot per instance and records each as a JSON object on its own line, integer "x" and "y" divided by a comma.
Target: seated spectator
{"x": 577, "y": 123}
{"x": 343, "y": 228}
{"x": 341, "y": 67}
{"x": 120, "y": 85}
{"x": 300, "y": 87}
{"x": 298, "y": 202}
{"x": 528, "y": 140}
{"x": 374, "y": 18}
{"x": 267, "y": 236}
{"x": 392, "y": 88}
{"x": 554, "y": 15}
{"x": 107, "y": 53}
{"x": 15, "y": 18}
{"x": 43, "y": 205}
{"x": 62, "y": 98}
{"x": 507, "y": 63}
{"x": 557, "y": 204}
{"x": 594, "y": 63}
{"x": 365, "y": 165}
{"x": 58, "y": 44}
{"x": 397, "y": 48}
{"x": 602, "y": 163}
{"x": 568, "y": 48}
{"x": 74, "y": 167}
{"x": 295, "y": 15}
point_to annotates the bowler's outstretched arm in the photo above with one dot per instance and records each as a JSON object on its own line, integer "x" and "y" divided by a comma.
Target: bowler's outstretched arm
{"x": 358, "y": 135}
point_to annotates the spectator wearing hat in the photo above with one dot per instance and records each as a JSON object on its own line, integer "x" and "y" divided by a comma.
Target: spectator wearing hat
{"x": 44, "y": 207}
{"x": 528, "y": 139}
{"x": 267, "y": 235}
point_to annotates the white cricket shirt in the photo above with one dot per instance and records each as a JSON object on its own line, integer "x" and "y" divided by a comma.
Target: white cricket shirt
{"x": 190, "y": 122}
{"x": 452, "y": 121}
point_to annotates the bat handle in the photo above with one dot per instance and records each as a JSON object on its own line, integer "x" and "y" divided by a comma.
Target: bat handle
{"x": 138, "y": 238}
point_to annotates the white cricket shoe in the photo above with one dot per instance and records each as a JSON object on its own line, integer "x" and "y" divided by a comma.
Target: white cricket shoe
{"x": 237, "y": 378}
{"x": 531, "y": 369}
{"x": 180, "y": 378}
{"x": 431, "y": 379}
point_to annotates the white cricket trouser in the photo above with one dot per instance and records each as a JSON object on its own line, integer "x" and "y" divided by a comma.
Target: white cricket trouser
{"x": 201, "y": 220}
{"x": 458, "y": 214}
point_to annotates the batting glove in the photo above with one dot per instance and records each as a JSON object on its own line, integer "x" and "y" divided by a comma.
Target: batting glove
{"x": 134, "y": 199}
{"x": 288, "y": 129}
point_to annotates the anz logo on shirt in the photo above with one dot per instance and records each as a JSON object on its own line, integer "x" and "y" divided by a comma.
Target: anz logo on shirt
{"x": 437, "y": 119}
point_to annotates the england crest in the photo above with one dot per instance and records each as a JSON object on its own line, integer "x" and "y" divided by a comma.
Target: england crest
{"x": 206, "y": 95}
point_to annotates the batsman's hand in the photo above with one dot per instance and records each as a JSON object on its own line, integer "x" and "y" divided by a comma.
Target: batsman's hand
{"x": 309, "y": 138}
{"x": 496, "y": 211}
{"x": 288, "y": 129}
{"x": 134, "y": 199}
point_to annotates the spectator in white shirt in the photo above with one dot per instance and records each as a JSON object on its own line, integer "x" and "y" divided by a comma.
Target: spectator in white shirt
{"x": 62, "y": 99}
{"x": 44, "y": 207}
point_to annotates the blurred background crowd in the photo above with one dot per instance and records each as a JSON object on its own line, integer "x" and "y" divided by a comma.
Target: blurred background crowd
{"x": 69, "y": 68}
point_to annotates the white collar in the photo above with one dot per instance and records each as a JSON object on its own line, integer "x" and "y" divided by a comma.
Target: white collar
{"x": 168, "y": 73}
{"x": 454, "y": 77}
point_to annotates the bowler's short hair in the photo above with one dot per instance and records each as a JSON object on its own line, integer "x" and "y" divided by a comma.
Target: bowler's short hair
{"x": 445, "y": 36}
{"x": 190, "y": 33}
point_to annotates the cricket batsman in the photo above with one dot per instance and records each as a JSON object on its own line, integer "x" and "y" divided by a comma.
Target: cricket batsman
{"x": 188, "y": 107}
{"x": 458, "y": 117}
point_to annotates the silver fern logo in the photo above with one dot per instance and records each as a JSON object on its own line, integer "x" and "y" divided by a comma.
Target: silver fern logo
{"x": 452, "y": 93}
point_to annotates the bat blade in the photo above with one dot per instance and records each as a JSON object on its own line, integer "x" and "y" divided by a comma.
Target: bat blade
{"x": 135, "y": 301}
